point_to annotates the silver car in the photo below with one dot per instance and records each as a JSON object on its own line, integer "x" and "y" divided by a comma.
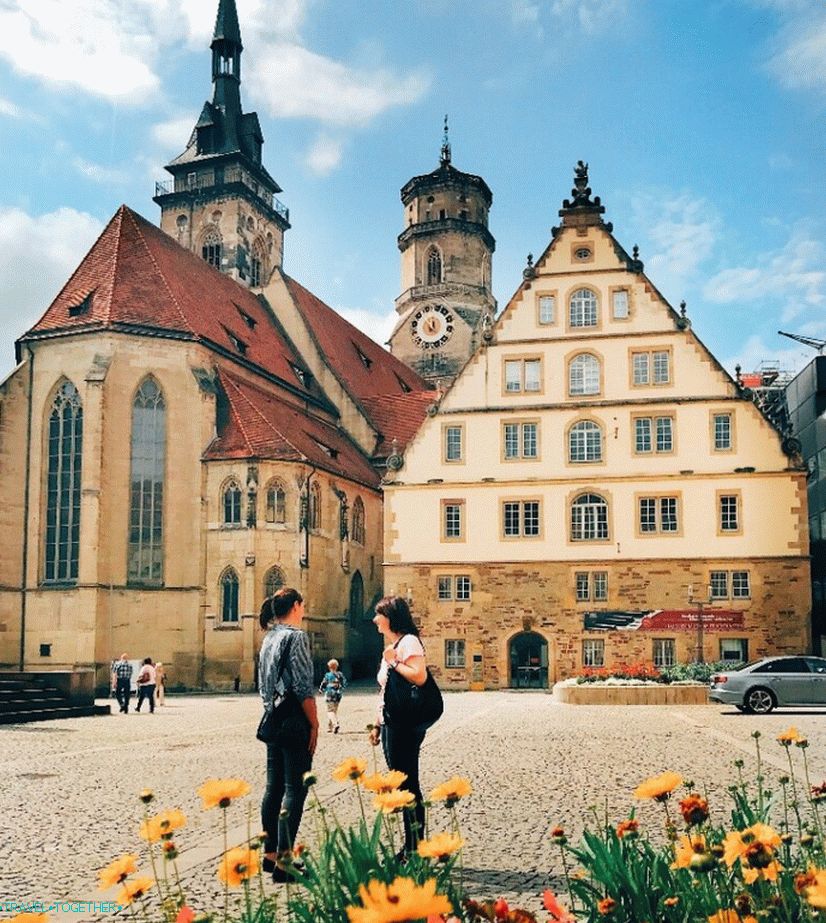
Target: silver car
{"x": 765, "y": 684}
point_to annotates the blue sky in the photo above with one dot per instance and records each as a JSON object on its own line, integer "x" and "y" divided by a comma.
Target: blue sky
{"x": 703, "y": 123}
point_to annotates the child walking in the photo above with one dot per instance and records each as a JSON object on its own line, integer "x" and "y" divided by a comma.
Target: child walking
{"x": 333, "y": 688}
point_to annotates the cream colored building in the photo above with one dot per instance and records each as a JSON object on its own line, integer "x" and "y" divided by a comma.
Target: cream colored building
{"x": 595, "y": 489}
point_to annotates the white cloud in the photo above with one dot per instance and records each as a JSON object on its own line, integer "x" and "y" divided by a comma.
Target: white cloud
{"x": 37, "y": 255}
{"x": 591, "y": 15}
{"x": 173, "y": 134}
{"x": 752, "y": 353}
{"x": 525, "y": 12}
{"x": 376, "y": 325}
{"x": 9, "y": 109}
{"x": 106, "y": 176}
{"x": 797, "y": 53}
{"x": 325, "y": 154}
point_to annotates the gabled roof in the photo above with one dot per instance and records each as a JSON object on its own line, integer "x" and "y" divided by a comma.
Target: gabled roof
{"x": 261, "y": 425}
{"x": 398, "y": 417}
{"x": 137, "y": 278}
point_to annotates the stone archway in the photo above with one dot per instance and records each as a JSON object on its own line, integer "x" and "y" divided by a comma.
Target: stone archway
{"x": 528, "y": 659}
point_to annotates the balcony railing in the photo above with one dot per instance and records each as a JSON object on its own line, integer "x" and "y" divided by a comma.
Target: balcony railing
{"x": 194, "y": 182}
{"x": 443, "y": 289}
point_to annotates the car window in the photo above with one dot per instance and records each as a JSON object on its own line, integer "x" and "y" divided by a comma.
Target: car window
{"x": 817, "y": 665}
{"x": 786, "y": 665}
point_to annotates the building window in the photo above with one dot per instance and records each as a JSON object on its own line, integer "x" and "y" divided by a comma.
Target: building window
{"x": 453, "y": 520}
{"x": 547, "y": 309}
{"x": 276, "y": 502}
{"x": 211, "y": 249}
{"x": 593, "y": 652}
{"x": 592, "y": 585}
{"x": 273, "y": 581}
{"x": 664, "y": 652}
{"x": 729, "y": 513}
{"x": 462, "y": 584}
{"x": 722, "y": 432}
{"x": 147, "y": 485}
{"x": 619, "y": 303}
{"x": 315, "y": 506}
{"x": 434, "y": 267}
{"x": 65, "y": 451}
{"x": 740, "y": 588}
{"x": 453, "y": 443}
{"x": 652, "y": 367}
{"x": 737, "y": 583}
{"x": 257, "y": 264}
{"x": 229, "y": 596}
{"x": 589, "y": 518}
{"x": 523, "y": 375}
{"x": 658, "y": 514}
{"x": 734, "y": 650}
{"x": 584, "y": 375}
{"x": 445, "y": 587}
{"x": 583, "y": 308}
{"x": 718, "y": 582}
{"x": 585, "y": 442}
{"x": 520, "y": 519}
{"x": 520, "y": 440}
{"x": 455, "y": 653}
{"x": 232, "y": 504}
{"x": 357, "y": 531}
{"x": 653, "y": 434}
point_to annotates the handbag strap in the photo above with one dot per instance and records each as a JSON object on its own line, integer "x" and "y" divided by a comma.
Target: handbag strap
{"x": 281, "y": 661}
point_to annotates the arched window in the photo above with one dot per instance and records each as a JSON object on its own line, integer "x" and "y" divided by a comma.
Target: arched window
{"x": 146, "y": 485}
{"x": 65, "y": 447}
{"x": 257, "y": 258}
{"x": 357, "y": 532}
{"x": 315, "y": 505}
{"x": 212, "y": 247}
{"x": 356, "y": 599}
{"x": 589, "y": 518}
{"x": 273, "y": 580}
{"x": 276, "y": 502}
{"x": 583, "y": 308}
{"x": 229, "y": 596}
{"x": 232, "y": 504}
{"x": 585, "y": 442}
{"x": 584, "y": 375}
{"x": 434, "y": 267}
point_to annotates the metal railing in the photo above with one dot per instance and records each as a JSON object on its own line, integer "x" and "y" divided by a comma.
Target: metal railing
{"x": 194, "y": 182}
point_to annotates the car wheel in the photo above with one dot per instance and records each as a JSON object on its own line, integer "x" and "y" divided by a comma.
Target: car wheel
{"x": 759, "y": 700}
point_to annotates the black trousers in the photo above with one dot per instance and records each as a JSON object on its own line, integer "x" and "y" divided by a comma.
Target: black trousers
{"x": 147, "y": 691}
{"x": 285, "y": 789}
{"x": 122, "y": 691}
{"x": 402, "y": 746}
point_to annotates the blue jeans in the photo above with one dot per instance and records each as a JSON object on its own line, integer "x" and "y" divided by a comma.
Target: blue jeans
{"x": 123, "y": 691}
{"x": 147, "y": 691}
{"x": 401, "y": 747}
{"x": 285, "y": 789}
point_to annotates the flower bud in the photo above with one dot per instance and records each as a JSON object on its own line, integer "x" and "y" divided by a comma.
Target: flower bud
{"x": 147, "y": 795}
{"x": 702, "y": 862}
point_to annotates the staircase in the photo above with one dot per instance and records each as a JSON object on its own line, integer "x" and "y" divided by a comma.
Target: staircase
{"x": 28, "y": 697}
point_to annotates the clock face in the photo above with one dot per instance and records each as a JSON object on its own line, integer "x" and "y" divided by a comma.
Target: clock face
{"x": 432, "y": 326}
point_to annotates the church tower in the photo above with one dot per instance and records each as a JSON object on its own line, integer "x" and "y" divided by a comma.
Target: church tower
{"x": 221, "y": 201}
{"x": 446, "y": 252}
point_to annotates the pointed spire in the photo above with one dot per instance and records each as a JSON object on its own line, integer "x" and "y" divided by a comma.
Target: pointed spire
{"x": 581, "y": 210}
{"x": 444, "y": 158}
{"x": 226, "y": 23}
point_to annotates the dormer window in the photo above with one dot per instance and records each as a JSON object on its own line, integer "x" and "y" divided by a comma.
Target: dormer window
{"x": 404, "y": 385}
{"x": 248, "y": 319}
{"x": 366, "y": 361}
{"x": 302, "y": 375}
{"x": 82, "y": 307}
{"x": 238, "y": 343}
{"x": 326, "y": 449}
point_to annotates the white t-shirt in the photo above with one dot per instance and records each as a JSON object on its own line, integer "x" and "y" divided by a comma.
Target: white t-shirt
{"x": 147, "y": 668}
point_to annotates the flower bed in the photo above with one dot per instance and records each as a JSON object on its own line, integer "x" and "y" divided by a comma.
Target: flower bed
{"x": 619, "y": 692}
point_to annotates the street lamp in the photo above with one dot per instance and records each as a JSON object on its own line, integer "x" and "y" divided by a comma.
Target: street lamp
{"x": 700, "y": 600}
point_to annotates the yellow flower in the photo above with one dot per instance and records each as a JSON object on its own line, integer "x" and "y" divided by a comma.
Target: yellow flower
{"x": 451, "y": 791}
{"x": 390, "y": 802}
{"x": 730, "y": 916}
{"x": 29, "y": 918}
{"x": 162, "y": 825}
{"x": 388, "y": 782}
{"x": 440, "y": 846}
{"x": 238, "y": 865}
{"x": 685, "y": 848}
{"x": 788, "y": 737}
{"x": 132, "y": 890}
{"x": 401, "y": 901}
{"x": 658, "y": 787}
{"x": 116, "y": 872}
{"x": 350, "y": 770}
{"x": 754, "y": 847}
{"x": 768, "y": 872}
{"x": 222, "y": 792}
{"x": 816, "y": 893}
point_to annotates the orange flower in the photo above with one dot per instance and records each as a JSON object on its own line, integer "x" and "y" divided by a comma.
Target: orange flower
{"x": 558, "y": 913}
{"x": 29, "y": 918}
{"x": 730, "y": 916}
{"x": 221, "y": 793}
{"x": 238, "y": 865}
{"x": 805, "y": 880}
{"x": 440, "y": 846}
{"x": 606, "y": 905}
{"x": 767, "y": 872}
{"x": 627, "y": 828}
{"x": 116, "y": 872}
{"x": 671, "y": 901}
{"x": 185, "y": 915}
{"x": 162, "y": 825}
{"x": 694, "y": 810}
{"x": 351, "y": 769}
{"x": 388, "y": 782}
{"x": 451, "y": 791}
{"x": 398, "y": 902}
{"x": 816, "y": 893}
{"x": 658, "y": 787}
{"x": 390, "y": 802}
{"x": 759, "y": 841}
{"x": 685, "y": 849}
{"x": 787, "y": 738}
{"x": 132, "y": 890}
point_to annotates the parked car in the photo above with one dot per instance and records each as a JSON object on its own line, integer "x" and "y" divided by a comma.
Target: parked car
{"x": 772, "y": 682}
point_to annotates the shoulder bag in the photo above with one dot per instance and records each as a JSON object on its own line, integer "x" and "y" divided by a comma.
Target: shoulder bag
{"x": 410, "y": 705}
{"x": 284, "y": 724}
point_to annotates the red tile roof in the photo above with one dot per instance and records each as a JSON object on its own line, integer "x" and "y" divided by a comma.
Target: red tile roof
{"x": 262, "y": 425}
{"x": 398, "y": 416}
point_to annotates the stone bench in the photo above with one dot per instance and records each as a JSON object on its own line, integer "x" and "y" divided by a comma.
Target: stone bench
{"x": 608, "y": 694}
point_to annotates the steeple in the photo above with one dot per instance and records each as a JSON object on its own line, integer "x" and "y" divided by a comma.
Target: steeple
{"x": 226, "y": 61}
{"x": 444, "y": 159}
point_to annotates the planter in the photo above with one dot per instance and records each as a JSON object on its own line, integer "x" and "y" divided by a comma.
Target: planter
{"x": 605, "y": 694}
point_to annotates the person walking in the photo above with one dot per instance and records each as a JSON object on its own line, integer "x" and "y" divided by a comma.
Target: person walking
{"x": 122, "y": 679}
{"x": 160, "y": 682}
{"x": 401, "y": 744}
{"x": 332, "y": 687}
{"x": 146, "y": 685}
{"x": 283, "y": 802}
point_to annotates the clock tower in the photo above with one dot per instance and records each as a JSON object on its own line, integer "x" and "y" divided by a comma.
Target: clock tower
{"x": 446, "y": 252}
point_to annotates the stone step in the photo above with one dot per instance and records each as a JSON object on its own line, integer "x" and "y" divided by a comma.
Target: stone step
{"x": 52, "y": 714}
{"x": 31, "y": 703}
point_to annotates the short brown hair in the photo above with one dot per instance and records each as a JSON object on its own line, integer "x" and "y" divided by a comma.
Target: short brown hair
{"x": 278, "y": 605}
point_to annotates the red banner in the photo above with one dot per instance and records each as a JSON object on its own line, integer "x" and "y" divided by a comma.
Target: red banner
{"x": 690, "y": 619}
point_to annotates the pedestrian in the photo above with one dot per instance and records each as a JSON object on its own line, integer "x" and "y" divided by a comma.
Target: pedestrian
{"x": 122, "y": 680}
{"x": 283, "y": 802}
{"x": 332, "y": 686}
{"x": 160, "y": 682}
{"x": 402, "y": 744}
{"x": 146, "y": 685}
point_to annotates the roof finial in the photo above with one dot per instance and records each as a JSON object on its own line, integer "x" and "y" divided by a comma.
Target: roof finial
{"x": 445, "y": 156}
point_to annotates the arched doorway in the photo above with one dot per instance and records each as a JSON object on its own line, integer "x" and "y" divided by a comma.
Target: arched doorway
{"x": 528, "y": 655}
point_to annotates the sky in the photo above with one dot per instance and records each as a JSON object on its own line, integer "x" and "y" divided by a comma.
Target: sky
{"x": 702, "y": 122}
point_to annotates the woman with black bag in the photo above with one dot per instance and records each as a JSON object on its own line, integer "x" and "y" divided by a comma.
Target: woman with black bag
{"x": 285, "y": 671}
{"x": 410, "y": 703}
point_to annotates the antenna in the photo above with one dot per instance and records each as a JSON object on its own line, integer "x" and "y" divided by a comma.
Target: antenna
{"x": 819, "y": 345}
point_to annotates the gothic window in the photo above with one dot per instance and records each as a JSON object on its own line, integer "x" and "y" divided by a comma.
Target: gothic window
{"x": 65, "y": 446}
{"x": 315, "y": 506}
{"x": 584, "y": 375}
{"x": 589, "y": 518}
{"x": 232, "y": 504}
{"x": 357, "y": 532}
{"x": 356, "y": 599}
{"x": 229, "y": 596}
{"x": 257, "y": 264}
{"x": 273, "y": 581}
{"x": 146, "y": 485}
{"x": 212, "y": 247}
{"x": 434, "y": 267}
{"x": 276, "y": 502}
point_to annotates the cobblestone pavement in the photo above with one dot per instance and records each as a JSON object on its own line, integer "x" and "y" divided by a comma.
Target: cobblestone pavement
{"x": 68, "y": 796}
